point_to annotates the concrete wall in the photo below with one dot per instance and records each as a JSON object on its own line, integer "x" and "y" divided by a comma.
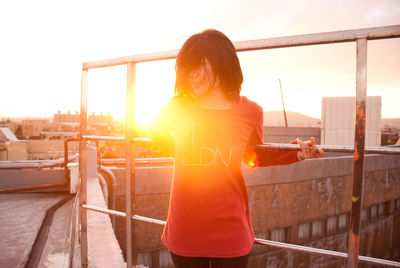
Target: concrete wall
{"x": 338, "y": 116}
{"x": 18, "y": 178}
{"x": 35, "y": 150}
{"x": 288, "y": 134}
{"x": 49, "y": 149}
{"x": 12, "y": 151}
{"x": 303, "y": 203}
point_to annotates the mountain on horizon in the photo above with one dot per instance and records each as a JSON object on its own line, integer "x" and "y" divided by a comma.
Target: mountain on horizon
{"x": 391, "y": 122}
{"x": 294, "y": 119}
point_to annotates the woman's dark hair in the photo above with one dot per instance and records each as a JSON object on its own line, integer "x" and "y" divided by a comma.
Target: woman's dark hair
{"x": 219, "y": 52}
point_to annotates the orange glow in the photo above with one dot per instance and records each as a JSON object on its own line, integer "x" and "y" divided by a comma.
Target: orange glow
{"x": 250, "y": 158}
{"x": 146, "y": 112}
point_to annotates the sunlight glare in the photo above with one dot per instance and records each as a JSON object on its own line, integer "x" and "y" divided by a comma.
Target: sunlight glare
{"x": 155, "y": 87}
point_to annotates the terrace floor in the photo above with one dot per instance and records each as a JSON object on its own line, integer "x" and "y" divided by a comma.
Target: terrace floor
{"x": 35, "y": 230}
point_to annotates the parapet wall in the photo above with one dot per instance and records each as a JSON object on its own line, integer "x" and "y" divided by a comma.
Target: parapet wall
{"x": 304, "y": 203}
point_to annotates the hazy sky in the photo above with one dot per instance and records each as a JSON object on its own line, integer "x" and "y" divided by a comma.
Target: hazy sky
{"x": 43, "y": 44}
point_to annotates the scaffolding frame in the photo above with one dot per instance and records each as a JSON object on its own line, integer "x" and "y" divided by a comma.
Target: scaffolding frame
{"x": 359, "y": 36}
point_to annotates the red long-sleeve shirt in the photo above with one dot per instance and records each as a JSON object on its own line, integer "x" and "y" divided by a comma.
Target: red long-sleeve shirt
{"x": 209, "y": 212}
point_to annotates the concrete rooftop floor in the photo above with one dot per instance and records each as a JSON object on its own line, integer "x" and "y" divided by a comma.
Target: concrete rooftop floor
{"x": 22, "y": 215}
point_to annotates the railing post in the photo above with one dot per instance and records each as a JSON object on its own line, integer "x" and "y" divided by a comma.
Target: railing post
{"x": 359, "y": 146}
{"x": 130, "y": 164}
{"x": 83, "y": 169}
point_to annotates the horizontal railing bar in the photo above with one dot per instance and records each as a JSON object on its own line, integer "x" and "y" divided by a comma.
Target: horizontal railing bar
{"x": 258, "y": 240}
{"x": 268, "y": 43}
{"x": 105, "y": 210}
{"x": 150, "y": 220}
{"x": 300, "y": 248}
{"x": 324, "y": 252}
{"x": 374, "y": 33}
{"x": 123, "y": 214}
{"x": 331, "y": 148}
{"x": 139, "y": 161}
{"x": 113, "y": 138}
{"x": 281, "y": 146}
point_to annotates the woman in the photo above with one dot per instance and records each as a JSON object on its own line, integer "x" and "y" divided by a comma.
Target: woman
{"x": 208, "y": 127}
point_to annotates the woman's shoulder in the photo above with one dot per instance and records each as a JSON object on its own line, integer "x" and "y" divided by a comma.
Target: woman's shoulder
{"x": 180, "y": 101}
{"x": 177, "y": 104}
{"x": 249, "y": 105}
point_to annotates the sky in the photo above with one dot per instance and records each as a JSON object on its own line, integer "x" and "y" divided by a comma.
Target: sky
{"x": 44, "y": 43}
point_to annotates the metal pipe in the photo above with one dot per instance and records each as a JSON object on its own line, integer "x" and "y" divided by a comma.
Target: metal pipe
{"x": 34, "y": 163}
{"x": 258, "y": 240}
{"x": 130, "y": 163}
{"x": 359, "y": 144}
{"x": 104, "y": 188}
{"x": 268, "y": 43}
{"x": 83, "y": 169}
{"x": 122, "y": 214}
{"x": 113, "y": 191}
{"x": 66, "y": 141}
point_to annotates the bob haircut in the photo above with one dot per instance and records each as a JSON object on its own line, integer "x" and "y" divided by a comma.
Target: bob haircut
{"x": 218, "y": 50}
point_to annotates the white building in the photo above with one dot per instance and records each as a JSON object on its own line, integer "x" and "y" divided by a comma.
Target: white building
{"x": 338, "y": 120}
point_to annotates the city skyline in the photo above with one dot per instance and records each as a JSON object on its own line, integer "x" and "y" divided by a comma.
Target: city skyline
{"x": 48, "y": 42}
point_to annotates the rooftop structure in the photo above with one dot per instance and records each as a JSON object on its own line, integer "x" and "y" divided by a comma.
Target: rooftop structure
{"x": 7, "y": 135}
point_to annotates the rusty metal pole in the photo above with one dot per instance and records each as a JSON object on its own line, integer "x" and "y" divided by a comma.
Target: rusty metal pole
{"x": 83, "y": 169}
{"x": 359, "y": 146}
{"x": 130, "y": 164}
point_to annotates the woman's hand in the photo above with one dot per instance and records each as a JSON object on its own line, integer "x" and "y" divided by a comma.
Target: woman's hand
{"x": 309, "y": 149}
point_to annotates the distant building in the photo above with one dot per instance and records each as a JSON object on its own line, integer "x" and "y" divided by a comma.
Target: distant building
{"x": 75, "y": 118}
{"x": 66, "y": 118}
{"x": 41, "y": 139}
{"x": 13, "y": 149}
{"x": 100, "y": 118}
{"x": 58, "y": 135}
{"x": 338, "y": 120}
{"x": 31, "y": 128}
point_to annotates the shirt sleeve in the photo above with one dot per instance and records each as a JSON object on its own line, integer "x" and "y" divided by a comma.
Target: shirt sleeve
{"x": 160, "y": 130}
{"x": 261, "y": 157}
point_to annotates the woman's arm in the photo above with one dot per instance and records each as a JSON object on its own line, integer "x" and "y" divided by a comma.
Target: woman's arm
{"x": 259, "y": 157}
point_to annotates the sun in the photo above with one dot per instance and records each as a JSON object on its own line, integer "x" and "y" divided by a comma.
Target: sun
{"x": 154, "y": 88}
{"x": 146, "y": 111}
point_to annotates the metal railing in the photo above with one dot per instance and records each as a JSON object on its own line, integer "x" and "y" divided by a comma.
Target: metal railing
{"x": 359, "y": 36}
{"x": 317, "y": 251}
